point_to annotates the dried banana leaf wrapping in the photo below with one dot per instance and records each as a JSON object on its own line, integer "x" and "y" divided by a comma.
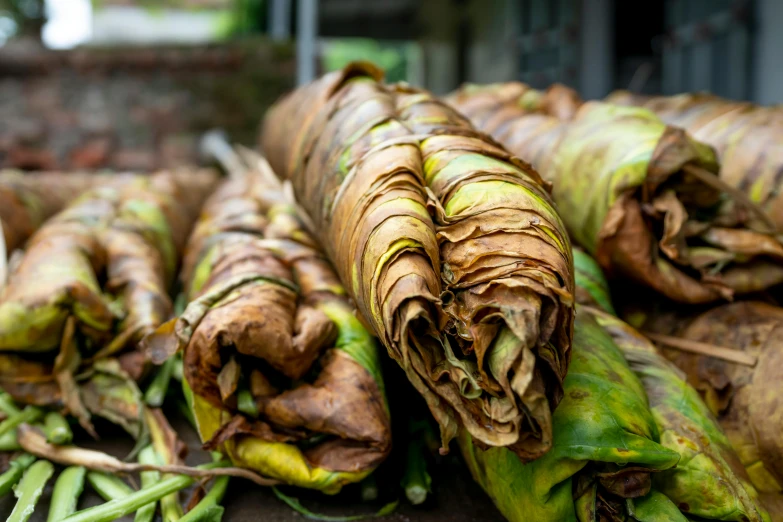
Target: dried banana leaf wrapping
{"x": 744, "y": 398}
{"x": 709, "y": 482}
{"x": 746, "y": 137}
{"x": 435, "y": 228}
{"x": 643, "y": 199}
{"x": 27, "y": 200}
{"x": 279, "y": 373}
{"x": 605, "y": 453}
{"x": 94, "y": 280}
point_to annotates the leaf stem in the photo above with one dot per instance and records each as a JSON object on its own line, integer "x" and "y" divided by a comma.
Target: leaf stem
{"x": 115, "y": 509}
{"x": 57, "y": 429}
{"x": 14, "y": 472}
{"x": 29, "y": 490}
{"x": 148, "y": 478}
{"x": 67, "y": 490}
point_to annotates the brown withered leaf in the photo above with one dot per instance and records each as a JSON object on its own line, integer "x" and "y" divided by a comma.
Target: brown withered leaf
{"x": 647, "y": 220}
{"x": 412, "y": 205}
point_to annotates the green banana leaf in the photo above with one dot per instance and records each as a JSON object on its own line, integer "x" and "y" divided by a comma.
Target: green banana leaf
{"x": 709, "y": 481}
{"x": 605, "y": 447}
{"x": 278, "y": 372}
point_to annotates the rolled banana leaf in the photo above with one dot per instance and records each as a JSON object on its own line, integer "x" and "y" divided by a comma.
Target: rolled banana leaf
{"x": 278, "y": 372}
{"x": 605, "y": 454}
{"x": 744, "y": 398}
{"x": 450, "y": 247}
{"x": 746, "y": 138}
{"x": 27, "y": 200}
{"x": 92, "y": 282}
{"x": 709, "y": 482}
{"x": 643, "y": 198}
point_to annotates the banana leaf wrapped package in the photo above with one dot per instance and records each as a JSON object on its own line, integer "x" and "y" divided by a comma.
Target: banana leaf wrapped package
{"x": 605, "y": 455}
{"x": 92, "y": 282}
{"x": 27, "y": 200}
{"x": 449, "y": 246}
{"x": 743, "y": 396}
{"x": 746, "y": 138}
{"x": 644, "y": 199}
{"x": 709, "y": 482}
{"x": 278, "y": 372}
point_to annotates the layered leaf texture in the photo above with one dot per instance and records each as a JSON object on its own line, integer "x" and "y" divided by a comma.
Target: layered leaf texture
{"x": 709, "y": 482}
{"x": 746, "y": 137}
{"x": 449, "y": 246}
{"x": 640, "y": 196}
{"x": 606, "y": 449}
{"x": 279, "y": 373}
{"x": 93, "y": 280}
{"x": 744, "y": 398}
{"x": 27, "y": 200}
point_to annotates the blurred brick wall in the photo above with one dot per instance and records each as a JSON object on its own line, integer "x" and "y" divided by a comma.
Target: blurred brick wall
{"x": 132, "y": 108}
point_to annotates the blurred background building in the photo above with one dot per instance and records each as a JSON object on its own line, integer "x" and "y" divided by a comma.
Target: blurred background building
{"x": 131, "y": 84}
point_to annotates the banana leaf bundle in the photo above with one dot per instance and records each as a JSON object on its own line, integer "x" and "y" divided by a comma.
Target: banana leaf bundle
{"x": 743, "y": 396}
{"x": 606, "y": 451}
{"x": 746, "y": 138}
{"x": 279, "y": 373}
{"x": 95, "y": 279}
{"x": 27, "y": 200}
{"x": 449, "y": 246}
{"x": 709, "y": 482}
{"x": 643, "y": 198}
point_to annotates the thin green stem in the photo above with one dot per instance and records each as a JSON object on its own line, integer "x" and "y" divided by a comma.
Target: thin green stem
{"x": 109, "y": 487}
{"x": 14, "y": 472}
{"x": 57, "y": 429}
{"x": 416, "y": 481}
{"x": 369, "y": 489}
{"x": 29, "y": 490}
{"x": 115, "y": 509}
{"x": 9, "y": 441}
{"x": 7, "y": 404}
{"x": 156, "y": 392}
{"x": 178, "y": 369}
{"x": 148, "y": 478}
{"x": 67, "y": 490}
{"x": 209, "y": 508}
{"x": 29, "y": 414}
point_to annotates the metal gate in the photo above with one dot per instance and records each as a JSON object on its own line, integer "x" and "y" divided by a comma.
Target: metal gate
{"x": 708, "y": 47}
{"x": 548, "y": 44}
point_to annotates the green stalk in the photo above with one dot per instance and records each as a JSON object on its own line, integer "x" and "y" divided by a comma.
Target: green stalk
{"x": 14, "y": 472}
{"x": 9, "y": 442}
{"x": 7, "y": 405}
{"x": 29, "y": 414}
{"x": 156, "y": 392}
{"x": 67, "y": 490}
{"x": 209, "y": 509}
{"x": 416, "y": 481}
{"x": 369, "y": 489}
{"x": 206, "y": 509}
{"x": 29, "y": 490}
{"x": 177, "y": 368}
{"x": 148, "y": 478}
{"x": 115, "y": 509}
{"x": 109, "y": 487}
{"x": 57, "y": 429}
